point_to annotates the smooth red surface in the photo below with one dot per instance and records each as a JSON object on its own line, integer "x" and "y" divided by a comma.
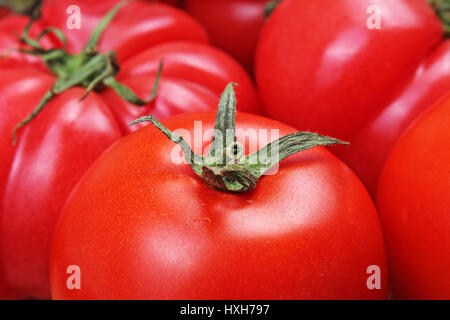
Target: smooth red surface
{"x": 233, "y": 25}
{"x": 172, "y": 2}
{"x": 55, "y": 149}
{"x": 4, "y": 12}
{"x": 137, "y": 26}
{"x": 320, "y": 68}
{"x": 414, "y": 200}
{"x": 39, "y": 173}
{"x": 140, "y": 226}
{"x": 193, "y": 78}
{"x": 370, "y": 148}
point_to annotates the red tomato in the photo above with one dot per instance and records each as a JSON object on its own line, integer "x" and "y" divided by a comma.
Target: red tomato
{"x": 56, "y": 148}
{"x": 140, "y": 226}
{"x": 37, "y": 175}
{"x": 193, "y": 78}
{"x": 172, "y": 2}
{"x": 320, "y": 67}
{"x": 233, "y": 25}
{"x": 414, "y": 201}
{"x": 10, "y": 58}
{"x": 371, "y": 147}
{"x": 4, "y": 12}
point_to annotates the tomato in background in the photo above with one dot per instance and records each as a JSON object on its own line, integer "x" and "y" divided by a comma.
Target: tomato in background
{"x": 414, "y": 202}
{"x": 140, "y": 226}
{"x": 233, "y": 25}
{"x": 172, "y": 2}
{"x": 320, "y": 68}
{"x": 371, "y": 147}
{"x": 57, "y": 146}
{"x": 4, "y": 12}
{"x": 37, "y": 175}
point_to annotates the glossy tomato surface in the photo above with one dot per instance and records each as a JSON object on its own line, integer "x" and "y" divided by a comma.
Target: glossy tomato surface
{"x": 327, "y": 66}
{"x": 140, "y": 225}
{"x": 414, "y": 201}
{"x": 335, "y": 79}
{"x": 233, "y": 25}
{"x": 37, "y": 175}
{"x": 372, "y": 145}
{"x": 4, "y": 12}
{"x": 55, "y": 149}
{"x": 193, "y": 78}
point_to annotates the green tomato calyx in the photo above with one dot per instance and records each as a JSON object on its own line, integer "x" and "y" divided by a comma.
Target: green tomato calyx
{"x": 225, "y": 168}
{"x": 89, "y": 69}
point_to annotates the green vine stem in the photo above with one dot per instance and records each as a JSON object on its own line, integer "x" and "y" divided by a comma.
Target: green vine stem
{"x": 442, "y": 8}
{"x": 89, "y": 68}
{"x": 225, "y": 168}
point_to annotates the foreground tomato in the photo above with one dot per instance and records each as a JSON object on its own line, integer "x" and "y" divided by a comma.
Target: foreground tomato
{"x": 414, "y": 201}
{"x": 233, "y": 25}
{"x": 62, "y": 141}
{"x": 325, "y": 66}
{"x": 140, "y": 225}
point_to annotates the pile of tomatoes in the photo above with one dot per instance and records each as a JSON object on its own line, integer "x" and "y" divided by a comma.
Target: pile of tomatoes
{"x": 92, "y": 208}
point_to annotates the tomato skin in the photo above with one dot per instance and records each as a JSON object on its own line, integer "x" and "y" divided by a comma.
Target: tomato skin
{"x": 172, "y": 2}
{"x": 414, "y": 200}
{"x": 371, "y": 147}
{"x": 334, "y": 75}
{"x": 233, "y": 25}
{"x": 315, "y": 79}
{"x": 142, "y": 227}
{"x": 40, "y": 172}
{"x": 169, "y": 24}
{"x": 4, "y": 12}
{"x": 194, "y": 76}
{"x": 31, "y": 197}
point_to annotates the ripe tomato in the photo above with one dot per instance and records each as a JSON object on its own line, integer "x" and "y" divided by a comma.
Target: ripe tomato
{"x": 414, "y": 200}
{"x": 372, "y": 145}
{"x": 4, "y": 12}
{"x": 142, "y": 226}
{"x": 57, "y": 146}
{"x": 233, "y": 25}
{"x": 172, "y": 2}
{"x": 37, "y": 175}
{"x": 326, "y": 66}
